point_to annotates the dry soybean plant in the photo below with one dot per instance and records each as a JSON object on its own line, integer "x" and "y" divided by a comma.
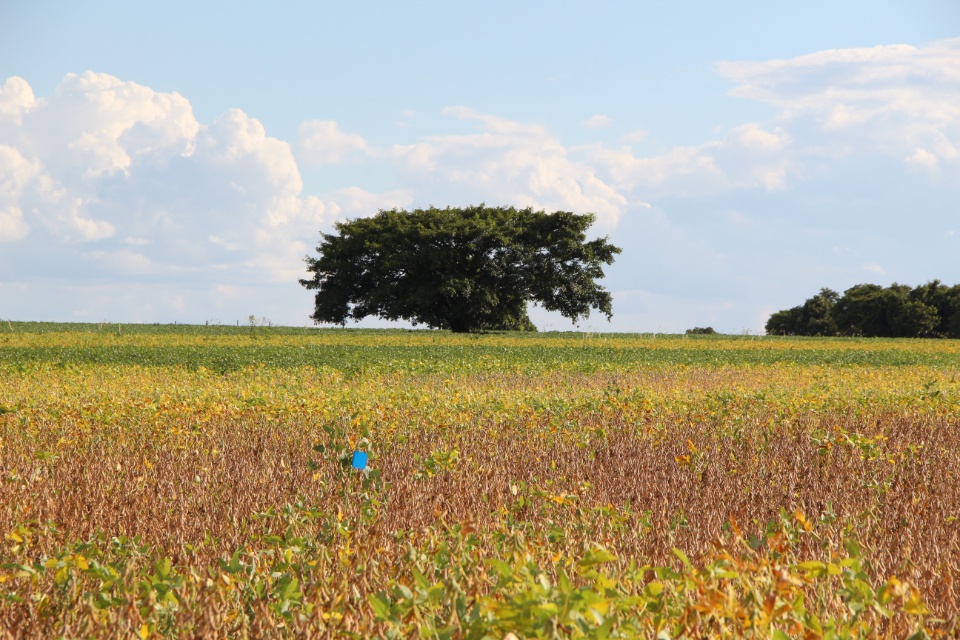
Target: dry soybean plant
{"x": 675, "y": 501}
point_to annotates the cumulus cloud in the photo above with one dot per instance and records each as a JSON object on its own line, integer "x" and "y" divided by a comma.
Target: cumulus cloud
{"x": 507, "y": 162}
{"x": 96, "y": 125}
{"x": 322, "y": 142}
{"x": 16, "y": 98}
{"x": 132, "y": 173}
{"x": 86, "y": 136}
{"x": 16, "y": 173}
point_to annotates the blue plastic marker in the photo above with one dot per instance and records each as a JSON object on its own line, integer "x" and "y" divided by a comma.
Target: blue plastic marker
{"x": 359, "y": 460}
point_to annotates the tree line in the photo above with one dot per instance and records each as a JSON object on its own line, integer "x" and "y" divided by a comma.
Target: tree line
{"x": 930, "y": 310}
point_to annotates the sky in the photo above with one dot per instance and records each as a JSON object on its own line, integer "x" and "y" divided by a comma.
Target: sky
{"x": 176, "y": 161}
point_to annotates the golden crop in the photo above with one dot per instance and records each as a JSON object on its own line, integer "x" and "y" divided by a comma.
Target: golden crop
{"x": 546, "y": 501}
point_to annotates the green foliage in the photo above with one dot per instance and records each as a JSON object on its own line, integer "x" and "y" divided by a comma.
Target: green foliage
{"x": 461, "y": 583}
{"x": 466, "y": 269}
{"x": 747, "y": 589}
{"x": 437, "y": 462}
{"x": 927, "y": 311}
{"x": 946, "y": 301}
{"x": 813, "y": 318}
{"x": 706, "y": 331}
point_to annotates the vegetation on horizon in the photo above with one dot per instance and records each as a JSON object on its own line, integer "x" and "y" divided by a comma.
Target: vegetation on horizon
{"x": 931, "y": 310}
{"x": 226, "y": 348}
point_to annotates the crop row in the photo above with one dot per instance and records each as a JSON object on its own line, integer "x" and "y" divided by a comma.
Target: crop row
{"x": 227, "y": 354}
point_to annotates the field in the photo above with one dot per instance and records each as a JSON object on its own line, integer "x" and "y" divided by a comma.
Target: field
{"x": 170, "y": 481}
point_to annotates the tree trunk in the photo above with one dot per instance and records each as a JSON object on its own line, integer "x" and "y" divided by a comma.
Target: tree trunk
{"x": 460, "y": 325}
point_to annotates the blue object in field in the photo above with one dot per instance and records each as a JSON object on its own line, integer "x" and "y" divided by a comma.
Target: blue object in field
{"x": 359, "y": 460}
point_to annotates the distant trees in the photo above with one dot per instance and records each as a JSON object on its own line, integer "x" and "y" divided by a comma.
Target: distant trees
{"x": 701, "y": 331}
{"x": 931, "y": 310}
{"x": 813, "y": 318}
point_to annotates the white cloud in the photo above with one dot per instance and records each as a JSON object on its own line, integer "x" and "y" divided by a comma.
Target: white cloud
{"x": 851, "y": 105}
{"x": 25, "y": 186}
{"x": 96, "y": 125}
{"x": 16, "y": 173}
{"x": 597, "y": 121}
{"x": 118, "y": 164}
{"x": 870, "y": 81}
{"x": 322, "y": 142}
{"x": 894, "y": 99}
{"x": 254, "y": 178}
{"x": 88, "y": 133}
{"x": 126, "y": 182}
{"x": 506, "y": 162}
{"x": 16, "y": 98}
{"x": 874, "y": 268}
{"x": 747, "y": 157}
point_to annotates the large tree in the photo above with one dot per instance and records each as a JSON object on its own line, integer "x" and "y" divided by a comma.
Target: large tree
{"x": 463, "y": 269}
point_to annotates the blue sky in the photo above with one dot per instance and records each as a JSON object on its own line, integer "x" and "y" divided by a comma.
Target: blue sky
{"x": 175, "y": 161}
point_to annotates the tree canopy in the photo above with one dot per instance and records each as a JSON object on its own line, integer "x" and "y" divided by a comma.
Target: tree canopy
{"x": 464, "y": 269}
{"x": 898, "y": 311}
